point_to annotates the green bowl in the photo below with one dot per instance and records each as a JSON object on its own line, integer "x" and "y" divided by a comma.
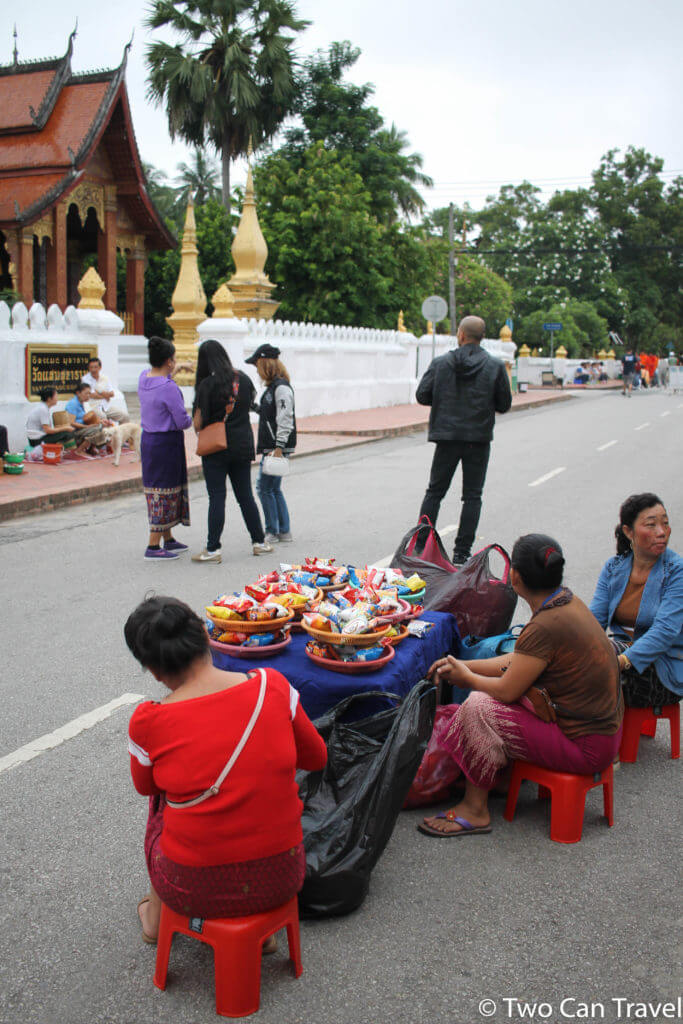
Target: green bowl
{"x": 416, "y": 598}
{"x": 68, "y": 445}
{"x": 14, "y": 458}
{"x": 14, "y": 470}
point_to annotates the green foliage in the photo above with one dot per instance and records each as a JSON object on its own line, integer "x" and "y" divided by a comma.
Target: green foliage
{"x": 232, "y": 75}
{"x": 583, "y": 331}
{"x": 199, "y": 179}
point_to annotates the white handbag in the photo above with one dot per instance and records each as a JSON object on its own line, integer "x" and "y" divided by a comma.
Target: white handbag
{"x": 275, "y": 465}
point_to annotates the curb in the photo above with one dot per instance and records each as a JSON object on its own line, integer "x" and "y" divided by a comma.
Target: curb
{"x": 103, "y": 492}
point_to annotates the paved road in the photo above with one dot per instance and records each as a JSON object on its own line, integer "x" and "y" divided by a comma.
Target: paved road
{"x": 446, "y": 925}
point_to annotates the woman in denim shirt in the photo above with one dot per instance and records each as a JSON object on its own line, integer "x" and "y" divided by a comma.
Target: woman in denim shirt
{"x": 639, "y": 598}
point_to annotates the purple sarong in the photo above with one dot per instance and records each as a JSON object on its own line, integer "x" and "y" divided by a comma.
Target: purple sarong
{"x": 164, "y": 478}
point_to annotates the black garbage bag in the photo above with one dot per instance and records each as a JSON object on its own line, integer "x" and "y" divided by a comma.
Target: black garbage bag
{"x": 351, "y": 806}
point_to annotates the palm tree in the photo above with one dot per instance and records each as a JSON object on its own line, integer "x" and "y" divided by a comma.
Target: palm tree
{"x": 200, "y": 178}
{"x": 408, "y": 167}
{"x": 232, "y": 76}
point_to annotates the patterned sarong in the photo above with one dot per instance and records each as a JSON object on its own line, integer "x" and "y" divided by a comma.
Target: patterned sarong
{"x": 222, "y": 890}
{"x": 164, "y": 478}
{"x": 485, "y": 735}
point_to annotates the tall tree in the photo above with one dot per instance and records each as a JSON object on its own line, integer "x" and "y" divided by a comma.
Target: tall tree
{"x": 200, "y": 178}
{"x": 338, "y": 114}
{"x": 232, "y": 75}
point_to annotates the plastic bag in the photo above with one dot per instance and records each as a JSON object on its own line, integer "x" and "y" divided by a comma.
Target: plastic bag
{"x": 351, "y": 806}
{"x": 483, "y": 605}
{"x": 438, "y": 771}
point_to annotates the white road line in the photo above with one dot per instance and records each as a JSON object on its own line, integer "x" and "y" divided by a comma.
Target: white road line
{"x": 547, "y": 476}
{"x": 602, "y": 447}
{"x": 383, "y": 563}
{"x": 642, "y": 426}
{"x": 67, "y": 732}
{"x": 667, "y": 413}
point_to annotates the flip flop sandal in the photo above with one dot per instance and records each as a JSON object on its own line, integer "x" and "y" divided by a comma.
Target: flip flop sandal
{"x": 466, "y": 827}
{"x": 145, "y": 937}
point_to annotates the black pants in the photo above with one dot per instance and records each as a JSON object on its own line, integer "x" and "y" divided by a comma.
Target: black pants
{"x": 4, "y": 444}
{"x": 216, "y": 468}
{"x": 475, "y": 459}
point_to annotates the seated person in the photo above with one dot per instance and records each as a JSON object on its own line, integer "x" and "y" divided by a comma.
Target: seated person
{"x": 582, "y": 374}
{"x": 39, "y": 425}
{"x": 243, "y": 852}
{"x": 555, "y": 701}
{"x": 90, "y": 431}
{"x": 639, "y": 598}
{"x": 104, "y": 397}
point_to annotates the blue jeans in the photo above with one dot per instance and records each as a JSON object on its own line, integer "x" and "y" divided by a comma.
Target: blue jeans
{"x": 275, "y": 511}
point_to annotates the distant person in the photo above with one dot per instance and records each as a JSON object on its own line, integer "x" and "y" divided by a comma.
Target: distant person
{"x": 466, "y": 387}
{"x": 109, "y": 401}
{"x": 639, "y": 599}
{"x": 220, "y": 392}
{"x": 276, "y": 436}
{"x": 87, "y": 424}
{"x": 39, "y": 425}
{"x": 4, "y": 441}
{"x": 162, "y": 452}
{"x": 628, "y": 365}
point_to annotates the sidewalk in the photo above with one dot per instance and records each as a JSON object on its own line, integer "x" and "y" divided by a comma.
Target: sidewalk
{"x": 41, "y": 488}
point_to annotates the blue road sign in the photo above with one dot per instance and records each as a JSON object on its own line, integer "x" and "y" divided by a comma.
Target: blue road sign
{"x": 509, "y": 323}
{"x": 552, "y": 327}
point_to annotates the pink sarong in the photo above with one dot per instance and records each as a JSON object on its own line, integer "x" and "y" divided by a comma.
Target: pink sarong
{"x": 485, "y": 735}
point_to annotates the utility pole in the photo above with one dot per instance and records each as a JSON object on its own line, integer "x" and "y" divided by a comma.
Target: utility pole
{"x": 451, "y": 270}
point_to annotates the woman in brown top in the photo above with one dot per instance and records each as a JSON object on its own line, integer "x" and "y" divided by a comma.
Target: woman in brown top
{"x": 555, "y": 700}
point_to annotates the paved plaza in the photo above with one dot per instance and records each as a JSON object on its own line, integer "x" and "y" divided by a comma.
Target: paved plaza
{"x": 447, "y": 925}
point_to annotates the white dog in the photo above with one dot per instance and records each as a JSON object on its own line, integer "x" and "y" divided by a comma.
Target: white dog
{"x": 121, "y": 432}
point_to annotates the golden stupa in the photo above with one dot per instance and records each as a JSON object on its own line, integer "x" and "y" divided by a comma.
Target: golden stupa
{"x": 189, "y": 299}
{"x": 249, "y": 284}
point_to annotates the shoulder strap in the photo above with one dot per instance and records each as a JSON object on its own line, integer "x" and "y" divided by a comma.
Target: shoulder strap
{"x": 213, "y": 790}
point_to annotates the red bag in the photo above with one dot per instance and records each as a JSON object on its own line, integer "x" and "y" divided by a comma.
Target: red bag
{"x": 438, "y": 771}
{"x": 483, "y": 604}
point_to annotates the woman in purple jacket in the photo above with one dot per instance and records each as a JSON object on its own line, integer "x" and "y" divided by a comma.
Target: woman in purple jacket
{"x": 164, "y": 470}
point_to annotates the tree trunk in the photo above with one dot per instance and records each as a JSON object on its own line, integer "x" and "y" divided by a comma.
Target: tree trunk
{"x": 225, "y": 164}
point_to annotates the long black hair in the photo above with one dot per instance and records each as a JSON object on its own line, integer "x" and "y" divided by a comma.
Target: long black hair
{"x": 164, "y": 634}
{"x": 539, "y": 561}
{"x": 628, "y": 513}
{"x": 213, "y": 361}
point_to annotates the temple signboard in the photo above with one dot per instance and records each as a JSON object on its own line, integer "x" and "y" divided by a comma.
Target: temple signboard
{"x": 56, "y": 366}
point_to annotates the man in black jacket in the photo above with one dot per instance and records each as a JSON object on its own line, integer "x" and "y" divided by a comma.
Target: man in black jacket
{"x": 465, "y": 388}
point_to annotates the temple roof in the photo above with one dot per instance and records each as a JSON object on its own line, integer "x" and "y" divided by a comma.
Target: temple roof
{"x": 51, "y": 123}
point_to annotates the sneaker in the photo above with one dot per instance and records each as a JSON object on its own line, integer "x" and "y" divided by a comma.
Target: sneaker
{"x": 271, "y": 538}
{"x": 160, "y": 553}
{"x": 174, "y": 545}
{"x": 285, "y": 538}
{"x": 262, "y": 549}
{"x": 208, "y": 556}
{"x": 459, "y": 560}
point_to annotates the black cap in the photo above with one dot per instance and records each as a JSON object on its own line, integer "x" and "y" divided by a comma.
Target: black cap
{"x": 265, "y": 351}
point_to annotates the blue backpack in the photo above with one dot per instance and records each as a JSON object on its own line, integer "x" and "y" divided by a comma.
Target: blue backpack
{"x": 475, "y": 648}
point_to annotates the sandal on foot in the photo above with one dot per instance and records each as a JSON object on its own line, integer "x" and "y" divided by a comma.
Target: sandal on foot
{"x": 270, "y": 945}
{"x": 145, "y": 937}
{"x": 466, "y": 827}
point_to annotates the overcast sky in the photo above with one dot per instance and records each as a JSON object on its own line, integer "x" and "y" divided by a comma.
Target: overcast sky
{"x": 488, "y": 92}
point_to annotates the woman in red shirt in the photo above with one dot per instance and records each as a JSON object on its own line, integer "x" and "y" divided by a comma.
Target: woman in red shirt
{"x": 217, "y": 844}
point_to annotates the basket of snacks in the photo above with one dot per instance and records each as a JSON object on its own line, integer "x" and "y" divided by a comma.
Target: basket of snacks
{"x": 357, "y": 632}
{"x": 397, "y": 633}
{"x": 245, "y": 645}
{"x": 244, "y": 614}
{"x": 351, "y": 662}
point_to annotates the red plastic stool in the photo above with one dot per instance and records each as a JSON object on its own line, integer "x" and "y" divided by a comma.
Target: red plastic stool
{"x": 643, "y": 722}
{"x": 237, "y": 943}
{"x": 567, "y": 793}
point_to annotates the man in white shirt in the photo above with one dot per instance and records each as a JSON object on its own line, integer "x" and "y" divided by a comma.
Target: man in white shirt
{"x": 105, "y": 400}
{"x": 39, "y": 425}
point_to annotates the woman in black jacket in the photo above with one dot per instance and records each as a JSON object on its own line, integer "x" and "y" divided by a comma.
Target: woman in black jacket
{"x": 220, "y": 388}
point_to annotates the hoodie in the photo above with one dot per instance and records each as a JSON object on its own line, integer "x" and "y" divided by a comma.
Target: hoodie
{"x": 466, "y": 387}
{"x": 161, "y": 404}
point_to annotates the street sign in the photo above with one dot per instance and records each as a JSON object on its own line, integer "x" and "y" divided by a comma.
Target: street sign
{"x": 552, "y": 327}
{"x": 509, "y": 323}
{"x": 434, "y": 308}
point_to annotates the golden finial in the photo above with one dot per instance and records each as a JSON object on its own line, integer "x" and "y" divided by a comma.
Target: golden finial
{"x": 222, "y": 302}
{"x": 189, "y": 298}
{"x": 505, "y": 333}
{"x": 401, "y": 324}
{"x": 91, "y": 288}
{"x": 249, "y": 284}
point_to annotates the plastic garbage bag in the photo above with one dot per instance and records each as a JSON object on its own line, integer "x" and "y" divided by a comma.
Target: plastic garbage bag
{"x": 438, "y": 771}
{"x": 351, "y": 806}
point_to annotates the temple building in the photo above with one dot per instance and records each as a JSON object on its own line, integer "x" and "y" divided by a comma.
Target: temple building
{"x": 72, "y": 186}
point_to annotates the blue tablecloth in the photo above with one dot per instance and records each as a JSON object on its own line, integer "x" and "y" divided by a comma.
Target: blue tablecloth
{"x": 321, "y": 689}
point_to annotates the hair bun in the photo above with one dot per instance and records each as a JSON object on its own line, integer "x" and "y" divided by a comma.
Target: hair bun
{"x": 169, "y": 621}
